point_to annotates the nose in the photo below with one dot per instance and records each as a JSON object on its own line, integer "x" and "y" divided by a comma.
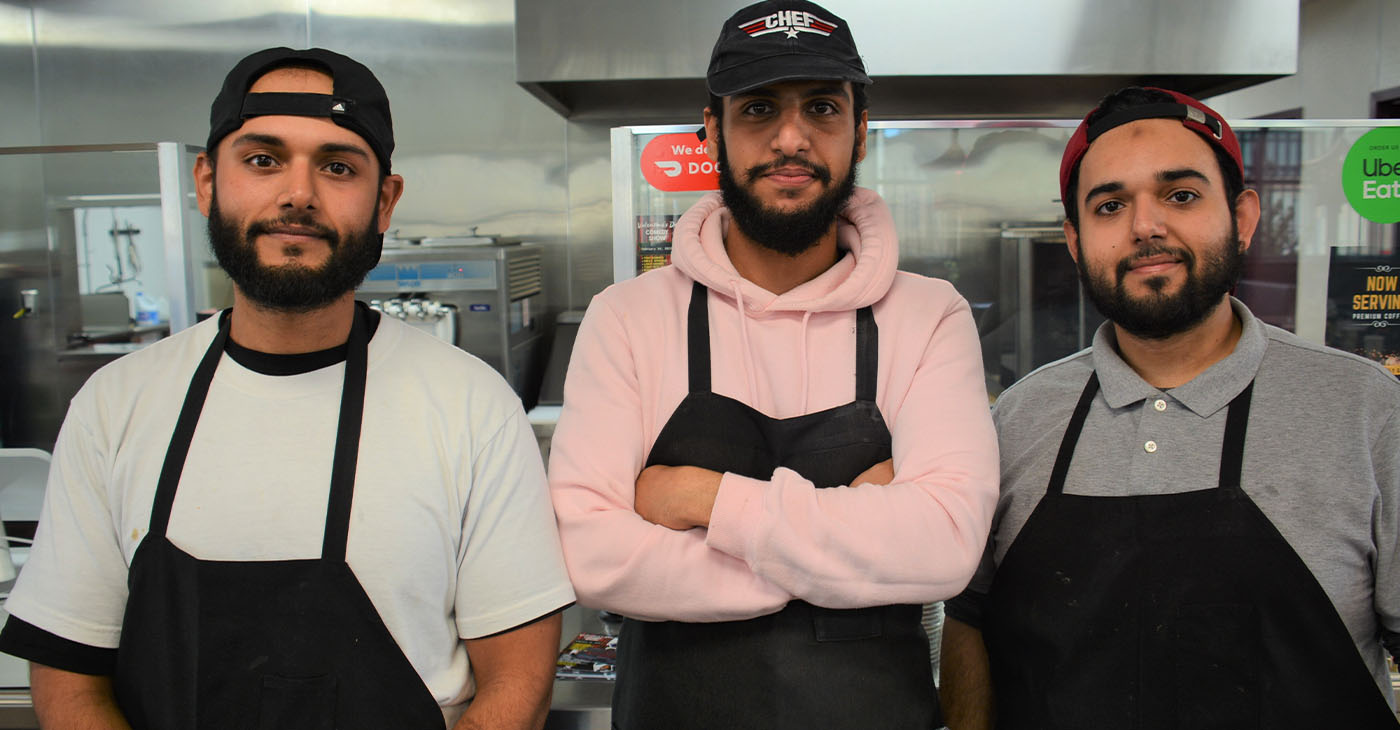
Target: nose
{"x": 793, "y": 137}
{"x": 299, "y": 186}
{"x": 1148, "y": 221}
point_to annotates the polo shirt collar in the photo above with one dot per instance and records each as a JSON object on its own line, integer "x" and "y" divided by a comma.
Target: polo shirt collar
{"x": 1206, "y": 393}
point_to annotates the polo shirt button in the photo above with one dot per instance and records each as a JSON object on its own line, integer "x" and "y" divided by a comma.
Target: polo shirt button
{"x": 1160, "y": 405}
{"x": 1150, "y": 447}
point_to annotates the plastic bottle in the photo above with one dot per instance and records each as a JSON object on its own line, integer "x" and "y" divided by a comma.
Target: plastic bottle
{"x": 147, "y": 310}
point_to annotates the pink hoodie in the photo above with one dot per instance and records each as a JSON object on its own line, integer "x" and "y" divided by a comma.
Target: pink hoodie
{"x": 916, "y": 540}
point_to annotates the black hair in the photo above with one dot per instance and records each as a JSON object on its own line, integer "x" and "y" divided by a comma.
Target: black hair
{"x": 1135, "y": 96}
{"x": 860, "y": 101}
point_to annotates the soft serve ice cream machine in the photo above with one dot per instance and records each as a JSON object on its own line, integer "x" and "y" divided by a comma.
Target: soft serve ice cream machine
{"x": 485, "y": 299}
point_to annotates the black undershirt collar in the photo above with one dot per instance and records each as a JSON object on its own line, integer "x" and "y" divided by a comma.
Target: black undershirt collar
{"x": 266, "y": 363}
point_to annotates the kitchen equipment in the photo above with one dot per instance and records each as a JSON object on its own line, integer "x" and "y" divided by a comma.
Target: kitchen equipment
{"x": 436, "y": 318}
{"x": 485, "y": 299}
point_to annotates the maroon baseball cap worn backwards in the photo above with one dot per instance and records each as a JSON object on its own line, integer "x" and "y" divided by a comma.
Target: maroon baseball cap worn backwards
{"x": 357, "y": 101}
{"x": 782, "y": 40}
{"x": 1194, "y": 115}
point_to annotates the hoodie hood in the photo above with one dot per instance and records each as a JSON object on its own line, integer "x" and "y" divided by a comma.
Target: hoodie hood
{"x": 865, "y": 234}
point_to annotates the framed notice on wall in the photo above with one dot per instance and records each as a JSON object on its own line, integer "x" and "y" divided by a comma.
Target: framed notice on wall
{"x": 1363, "y": 307}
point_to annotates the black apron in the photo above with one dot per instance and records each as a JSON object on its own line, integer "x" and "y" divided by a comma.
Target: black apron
{"x": 292, "y": 644}
{"x": 804, "y": 666}
{"x": 1184, "y": 610}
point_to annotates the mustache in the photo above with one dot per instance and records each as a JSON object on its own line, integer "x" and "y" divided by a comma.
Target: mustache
{"x": 821, "y": 172}
{"x": 299, "y": 219}
{"x": 1186, "y": 257}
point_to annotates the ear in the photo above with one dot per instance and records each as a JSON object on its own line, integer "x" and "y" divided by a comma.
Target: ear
{"x": 860, "y": 134}
{"x": 203, "y": 182}
{"x": 389, "y": 193}
{"x": 711, "y": 135}
{"x": 1072, "y": 240}
{"x": 1247, "y": 217}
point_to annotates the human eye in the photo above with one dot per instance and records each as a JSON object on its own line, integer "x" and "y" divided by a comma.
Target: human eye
{"x": 825, "y": 108}
{"x": 1182, "y": 196}
{"x": 1108, "y": 207}
{"x": 756, "y": 109}
{"x": 339, "y": 169}
{"x": 261, "y": 160}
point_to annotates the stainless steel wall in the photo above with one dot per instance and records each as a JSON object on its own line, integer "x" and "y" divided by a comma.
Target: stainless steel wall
{"x": 949, "y": 59}
{"x": 475, "y": 149}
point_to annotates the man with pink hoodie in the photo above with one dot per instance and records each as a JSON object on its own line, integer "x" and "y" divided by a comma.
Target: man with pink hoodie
{"x": 774, "y": 450}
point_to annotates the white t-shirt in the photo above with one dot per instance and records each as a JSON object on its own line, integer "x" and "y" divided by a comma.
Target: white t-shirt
{"x": 451, "y": 530}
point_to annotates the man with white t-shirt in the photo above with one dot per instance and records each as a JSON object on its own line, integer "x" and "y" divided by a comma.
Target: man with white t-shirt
{"x": 191, "y": 567}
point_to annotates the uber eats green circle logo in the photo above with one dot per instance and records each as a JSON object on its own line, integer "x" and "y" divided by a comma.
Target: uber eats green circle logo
{"x": 1371, "y": 175}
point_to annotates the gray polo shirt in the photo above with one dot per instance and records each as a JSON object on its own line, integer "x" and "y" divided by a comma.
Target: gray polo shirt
{"x": 1321, "y": 459}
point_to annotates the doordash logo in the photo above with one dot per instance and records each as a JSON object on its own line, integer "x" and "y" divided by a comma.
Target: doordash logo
{"x": 677, "y": 163}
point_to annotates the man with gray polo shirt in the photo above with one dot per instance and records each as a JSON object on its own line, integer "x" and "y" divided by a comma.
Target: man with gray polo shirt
{"x": 1198, "y": 517}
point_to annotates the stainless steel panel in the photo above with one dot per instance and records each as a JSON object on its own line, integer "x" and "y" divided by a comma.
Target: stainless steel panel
{"x": 18, "y": 95}
{"x": 589, "y": 267}
{"x": 673, "y": 39}
{"x": 988, "y": 57}
{"x": 137, "y": 70}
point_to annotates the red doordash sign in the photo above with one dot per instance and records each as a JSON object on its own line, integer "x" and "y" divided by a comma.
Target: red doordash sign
{"x": 677, "y": 163}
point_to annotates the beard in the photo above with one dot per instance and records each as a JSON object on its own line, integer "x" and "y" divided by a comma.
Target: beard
{"x": 1159, "y": 315}
{"x": 293, "y": 288}
{"x": 786, "y": 232}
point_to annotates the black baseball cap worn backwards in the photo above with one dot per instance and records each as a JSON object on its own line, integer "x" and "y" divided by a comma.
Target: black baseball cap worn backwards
{"x": 357, "y": 101}
{"x": 782, "y": 40}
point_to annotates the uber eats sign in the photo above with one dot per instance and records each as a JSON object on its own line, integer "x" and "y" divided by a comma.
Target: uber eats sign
{"x": 1371, "y": 175}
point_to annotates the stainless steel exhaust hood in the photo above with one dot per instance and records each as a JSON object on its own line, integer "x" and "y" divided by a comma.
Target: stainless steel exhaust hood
{"x": 642, "y": 61}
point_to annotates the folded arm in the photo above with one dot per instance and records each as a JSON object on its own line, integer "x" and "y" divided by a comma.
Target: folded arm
{"x": 917, "y": 539}
{"x": 616, "y": 559}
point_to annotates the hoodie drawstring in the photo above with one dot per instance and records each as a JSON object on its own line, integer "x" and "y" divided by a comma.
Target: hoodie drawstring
{"x": 749, "y": 369}
{"x": 806, "y": 364}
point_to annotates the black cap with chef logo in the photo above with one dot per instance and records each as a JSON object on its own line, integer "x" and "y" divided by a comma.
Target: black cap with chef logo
{"x": 782, "y": 40}
{"x": 357, "y": 101}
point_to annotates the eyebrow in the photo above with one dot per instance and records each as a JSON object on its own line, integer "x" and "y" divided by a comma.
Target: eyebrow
{"x": 769, "y": 92}
{"x": 1104, "y": 189}
{"x": 1182, "y": 174}
{"x": 271, "y": 140}
{"x": 1165, "y": 176}
{"x": 252, "y": 138}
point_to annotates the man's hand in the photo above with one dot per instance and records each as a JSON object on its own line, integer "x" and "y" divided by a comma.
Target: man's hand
{"x": 881, "y": 473}
{"x": 678, "y": 497}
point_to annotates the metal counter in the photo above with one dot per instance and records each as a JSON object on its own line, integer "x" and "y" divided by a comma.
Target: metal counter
{"x": 17, "y": 709}
{"x": 579, "y": 704}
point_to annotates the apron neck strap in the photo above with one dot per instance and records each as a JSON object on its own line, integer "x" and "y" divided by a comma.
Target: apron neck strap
{"x": 1072, "y": 431}
{"x": 1231, "y": 447}
{"x": 698, "y": 345}
{"x": 867, "y": 353}
{"x": 1232, "y": 451}
{"x": 698, "y": 338}
{"x": 179, "y": 447}
{"x": 347, "y": 440}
